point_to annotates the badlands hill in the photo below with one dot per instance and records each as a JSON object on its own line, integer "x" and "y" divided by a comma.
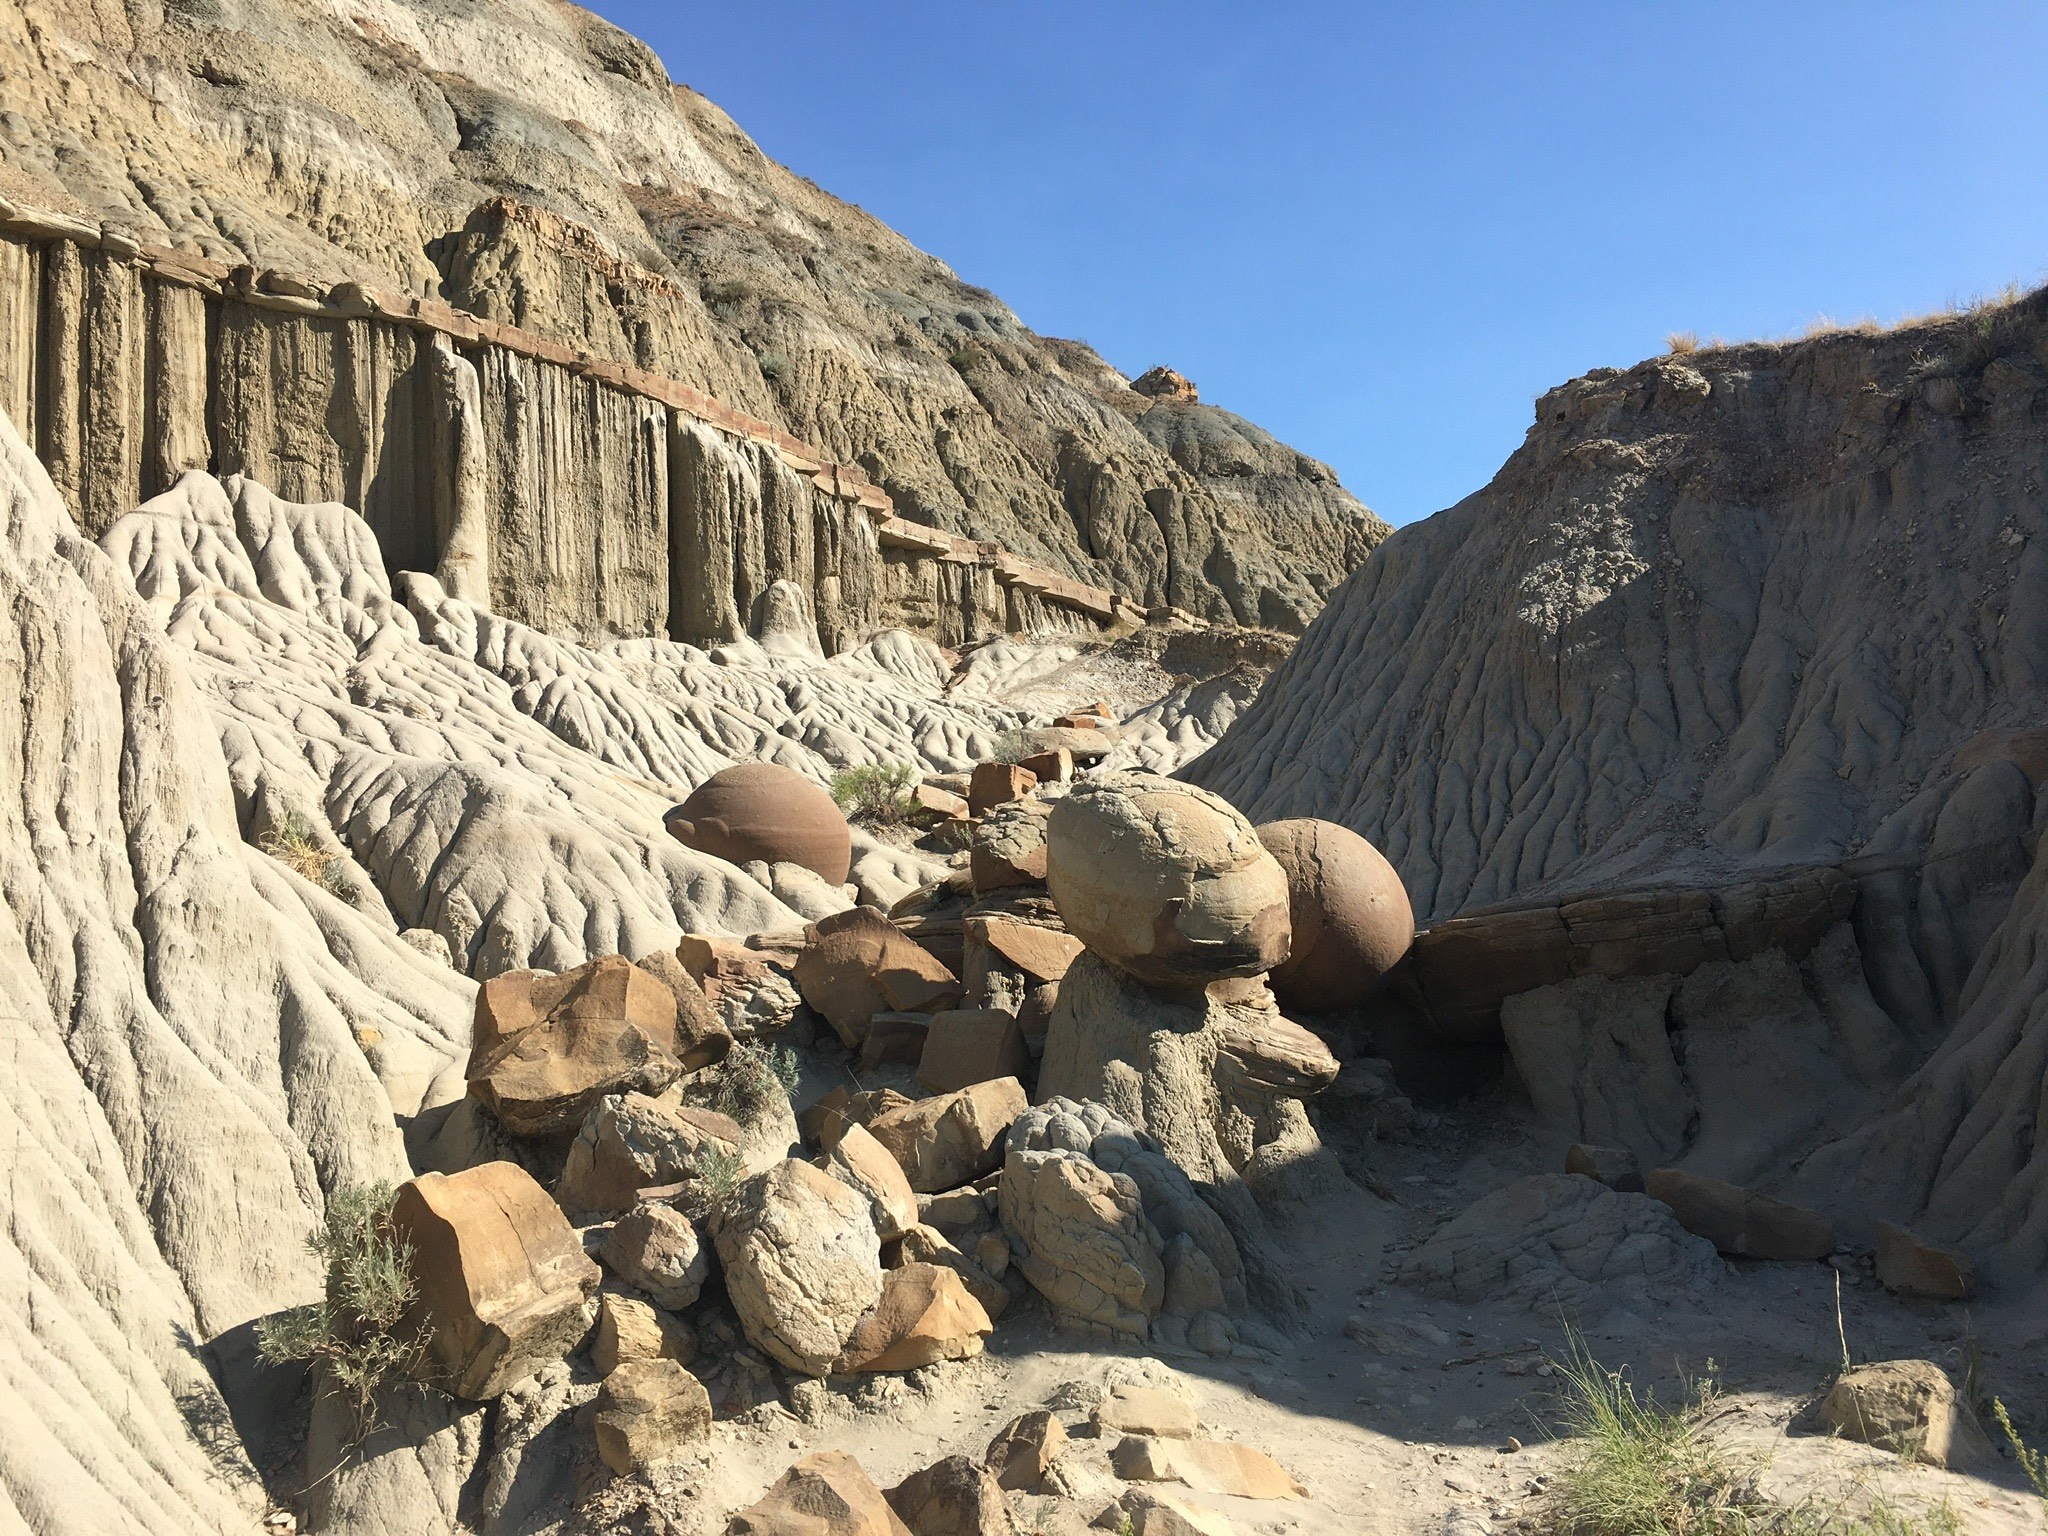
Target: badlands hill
{"x": 527, "y": 162}
{"x": 1726, "y": 617}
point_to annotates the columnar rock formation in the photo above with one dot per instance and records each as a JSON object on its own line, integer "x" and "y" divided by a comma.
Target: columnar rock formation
{"x": 1725, "y": 616}
{"x": 521, "y": 165}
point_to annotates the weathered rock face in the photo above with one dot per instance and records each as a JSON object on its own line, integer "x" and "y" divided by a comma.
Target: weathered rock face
{"x": 1087, "y": 1246}
{"x": 953, "y": 1138}
{"x": 802, "y": 1263}
{"x": 778, "y": 306}
{"x": 1165, "y": 881}
{"x": 767, "y": 812}
{"x": 825, "y": 1494}
{"x": 547, "y": 1048}
{"x": 1348, "y": 912}
{"x": 925, "y": 1314}
{"x": 1554, "y": 1239}
{"x": 631, "y": 1142}
{"x": 503, "y": 1281}
{"x": 648, "y": 1411}
{"x": 1764, "y": 606}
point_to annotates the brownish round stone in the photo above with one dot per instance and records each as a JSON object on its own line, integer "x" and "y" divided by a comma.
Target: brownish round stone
{"x": 765, "y": 811}
{"x": 1350, "y": 912}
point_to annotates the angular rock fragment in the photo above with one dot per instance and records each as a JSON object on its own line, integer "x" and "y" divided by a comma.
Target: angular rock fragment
{"x": 825, "y": 1494}
{"x": 928, "y": 1245}
{"x": 1009, "y": 847}
{"x": 629, "y": 1329}
{"x": 858, "y": 1160}
{"x": 503, "y": 1280}
{"x": 1153, "y": 1411}
{"x": 863, "y": 965}
{"x": 802, "y": 1263}
{"x": 547, "y": 1047}
{"x": 964, "y": 1046}
{"x": 1616, "y": 1167}
{"x": 954, "y": 1497}
{"x": 925, "y": 1314}
{"x": 1909, "y": 1407}
{"x": 1207, "y": 1466}
{"x": 1150, "y": 1512}
{"x": 1024, "y": 1452}
{"x": 702, "y": 1038}
{"x": 995, "y": 784}
{"x": 952, "y": 1139}
{"x": 1741, "y": 1221}
{"x": 647, "y": 1412}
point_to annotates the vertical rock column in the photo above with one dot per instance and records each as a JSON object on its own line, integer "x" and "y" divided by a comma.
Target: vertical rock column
{"x": 174, "y": 384}
{"x": 21, "y": 321}
{"x": 849, "y": 565}
{"x": 462, "y": 532}
{"x": 714, "y": 493}
{"x": 91, "y": 419}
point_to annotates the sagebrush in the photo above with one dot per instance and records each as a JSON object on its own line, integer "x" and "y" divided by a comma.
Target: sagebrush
{"x": 877, "y": 794}
{"x": 292, "y": 842}
{"x": 1637, "y": 1467}
{"x": 359, "y": 1331}
{"x": 750, "y": 1081}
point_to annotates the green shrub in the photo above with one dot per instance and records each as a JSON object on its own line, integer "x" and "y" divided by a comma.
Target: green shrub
{"x": 774, "y": 365}
{"x": 749, "y": 1082}
{"x": 359, "y": 1329}
{"x": 877, "y": 795}
{"x": 2032, "y": 1462}
{"x": 714, "y": 1175}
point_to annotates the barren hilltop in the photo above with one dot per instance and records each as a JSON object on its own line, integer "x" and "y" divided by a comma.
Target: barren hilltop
{"x": 662, "y": 875}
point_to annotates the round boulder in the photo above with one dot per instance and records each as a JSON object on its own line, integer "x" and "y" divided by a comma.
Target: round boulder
{"x": 1350, "y": 912}
{"x": 1165, "y": 881}
{"x": 767, "y": 812}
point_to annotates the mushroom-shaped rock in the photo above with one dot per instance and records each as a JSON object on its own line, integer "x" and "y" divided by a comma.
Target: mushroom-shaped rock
{"x": 926, "y": 1313}
{"x": 633, "y": 1142}
{"x": 767, "y": 812}
{"x": 502, "y": 1278}
{"x": 546, "y": 1047}
{"x": 1165, "y": 881}
{"x": 1349, "y": 912}
{"x": 802, "y": 1263}
{"x": 825, "y": 1494}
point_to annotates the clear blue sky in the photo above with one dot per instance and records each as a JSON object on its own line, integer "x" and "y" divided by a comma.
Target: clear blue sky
{"x": 1381, "y": 230}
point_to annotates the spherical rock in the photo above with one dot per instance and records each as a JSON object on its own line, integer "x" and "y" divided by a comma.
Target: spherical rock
{"x": 1350, "y": 914}
{"x": 767, "y": 812}
{"x": 1165, "y": 881}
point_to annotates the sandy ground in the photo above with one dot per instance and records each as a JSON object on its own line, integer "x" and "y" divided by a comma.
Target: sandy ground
{"x": 1397, "y": 1409}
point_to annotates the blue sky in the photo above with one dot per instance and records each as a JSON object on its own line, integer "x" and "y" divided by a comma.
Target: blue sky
{"x": 1380, "y": 231}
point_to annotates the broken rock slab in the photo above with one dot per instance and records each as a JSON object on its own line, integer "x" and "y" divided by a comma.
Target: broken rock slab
{"x": 925, "y": 1314}
{"x": 1207, "y": 1466}
{"x": 1740, "y": 1221}
{"x": 630, "y": 1329}
{"x": 546, "y": 1047}
{"x": 863, "y": 1163}
{"x": 1153, "y": 1411}
{"x": 965, "y": 1046}
{"x": 632, "y": 1142}
{"x": 953, "y": 1139}
{"x": 862, "y": 965}
{"x": 657, "y": 1250}
{"x": 647, "y": 1412}
{"x": 1909, "y": 1266}
{"x": 994, "y": 784}
{"x": 1152, "y": 1512}
{"x": 503, "y": 1279}
{"x": 954, "y": 1497}
{"x": 928, "y": 1245}
{"x": 827, "y": 1493}
{"x": 1024, "y": 1452}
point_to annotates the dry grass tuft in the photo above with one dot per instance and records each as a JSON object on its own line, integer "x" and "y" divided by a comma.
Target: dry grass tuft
{"x": 292, "y": 843}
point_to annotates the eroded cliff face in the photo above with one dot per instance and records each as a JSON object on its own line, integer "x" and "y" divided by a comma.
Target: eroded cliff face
{"x": 1723, "y": 616}
{"x": 532, "y": 164}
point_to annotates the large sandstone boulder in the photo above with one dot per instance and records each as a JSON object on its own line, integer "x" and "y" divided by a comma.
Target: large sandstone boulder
{"x": 503, "y": 1281}
{"x": 1909, "y": 1407}
{"x": 1025, "y": 1451}
{"x": 1087, "y": 1247}
{"x": 953, "y": 1139}
{"x": 1559, "y": 1239}
{"x": 1348, "y": 911}
{"x": 1009, "y": 846}
{"x": 802, "y": 1263}
{"x": 547, "y": 1047}
{"x": 631, "y": 1142}
{"x": 1166, "y": 881}
{"x": 647, "y": 1412}
{"x": 702, "y": 1037}
{"x": 926, "y": 1313}
{"x": 862, "y": 965}
{"x": 765, "y": 812}
{"x": 964, "y": 1046}
{"x": 825, "y": 1494}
